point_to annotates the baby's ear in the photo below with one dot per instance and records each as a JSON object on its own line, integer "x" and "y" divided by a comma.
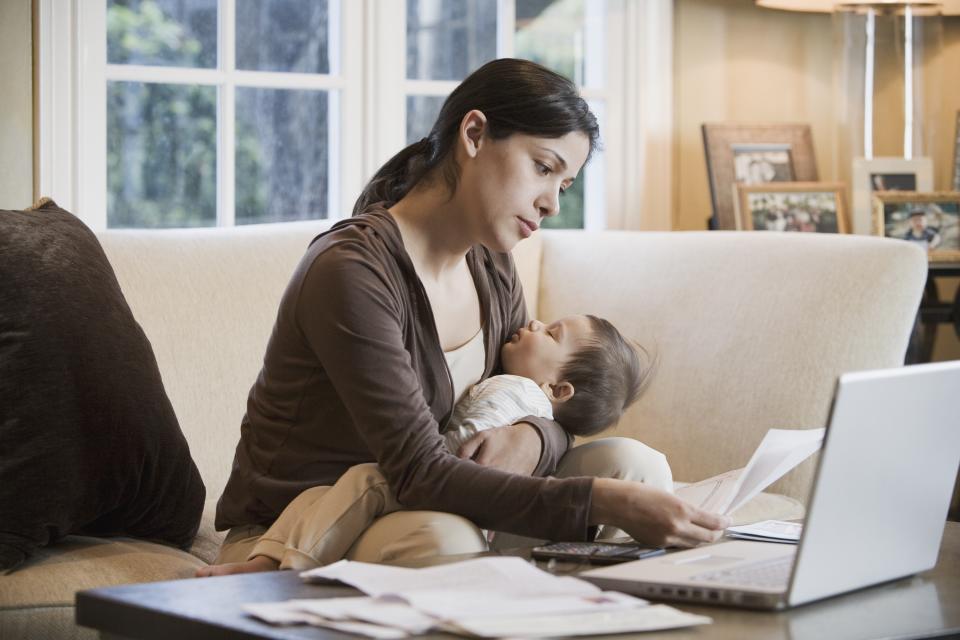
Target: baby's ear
{"x": 559, "y": 392}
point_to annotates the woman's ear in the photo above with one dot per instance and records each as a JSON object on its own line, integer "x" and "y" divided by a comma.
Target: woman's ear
{"x": 472, "y": 128}
{"x": 559, "y": 392}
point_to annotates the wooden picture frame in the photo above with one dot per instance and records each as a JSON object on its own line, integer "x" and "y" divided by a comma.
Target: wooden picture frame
{"x": 894, "y": 211}
{"x": 782, "y": 153}
{"x": 817, "y": 207}
{"x": 885, "y": 174}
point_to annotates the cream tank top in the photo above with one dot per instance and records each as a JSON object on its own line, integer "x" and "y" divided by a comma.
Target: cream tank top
{"x": 466, "y": 364}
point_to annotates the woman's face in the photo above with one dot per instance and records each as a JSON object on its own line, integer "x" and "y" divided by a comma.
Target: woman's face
{"x": 509, "y": 186}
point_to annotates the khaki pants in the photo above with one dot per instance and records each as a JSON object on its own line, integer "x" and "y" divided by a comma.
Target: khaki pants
{"x": 359, "y": 519}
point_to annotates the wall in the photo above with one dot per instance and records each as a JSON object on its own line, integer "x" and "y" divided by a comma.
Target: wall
{"x": 16, "y": 116}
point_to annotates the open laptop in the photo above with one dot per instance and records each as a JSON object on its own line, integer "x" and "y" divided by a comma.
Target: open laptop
{"x": 876, "y": 513}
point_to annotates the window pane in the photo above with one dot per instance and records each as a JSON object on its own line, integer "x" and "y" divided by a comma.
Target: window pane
{"x": 553, "y": 33}
{"x": 447, "y": 39}
{"x": 281, "y": 157}
{"x": 161, "y": 155}
{"x": 283, "y": 35}
{"x": 422, "y": 112}
{"x": 180, "y": 33}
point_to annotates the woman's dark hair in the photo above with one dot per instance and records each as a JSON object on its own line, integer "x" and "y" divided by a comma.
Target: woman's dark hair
{"x": 516, "y": 96}
{"x": 607, "y": 377}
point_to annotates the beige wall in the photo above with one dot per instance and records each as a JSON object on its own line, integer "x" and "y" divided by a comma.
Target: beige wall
{"x": 16, "y": 116}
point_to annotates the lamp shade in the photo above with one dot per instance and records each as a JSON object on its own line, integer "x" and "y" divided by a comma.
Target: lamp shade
{"x": 947, "y": 7}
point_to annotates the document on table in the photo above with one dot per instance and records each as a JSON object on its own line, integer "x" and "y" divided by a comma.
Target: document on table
{"x": 780, "y": 451}
{"x": 485, "y": 597}
{"x": 768, "y": 531}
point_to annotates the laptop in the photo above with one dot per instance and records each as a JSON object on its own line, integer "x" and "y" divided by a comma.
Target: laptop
{"x": 876, "y": 512}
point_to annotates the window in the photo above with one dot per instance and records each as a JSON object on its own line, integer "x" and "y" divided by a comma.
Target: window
{"x": 180, "y": 113}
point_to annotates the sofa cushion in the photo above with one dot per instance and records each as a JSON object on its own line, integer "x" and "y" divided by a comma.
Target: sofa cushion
{"x": 54, "y": 574}
{"x": 90, "y": 442}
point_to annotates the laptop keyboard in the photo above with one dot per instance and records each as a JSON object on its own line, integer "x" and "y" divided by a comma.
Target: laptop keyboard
{"x": 766, "y": 573}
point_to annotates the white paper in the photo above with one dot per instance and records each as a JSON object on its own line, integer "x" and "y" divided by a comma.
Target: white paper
{"x": 780, "y": 451}
{"x": 279, "y": 613}
{"x": 776, "y": 530}
{"x": 712, "y": 494}
{"x": 507, "y": 576}
{"x": 487, "y": 597}
{"x": 293, "y": 612}
{"x": 604, "y": 622}
{"x": 474, "y": 604}
{"x": 380, "y": 611}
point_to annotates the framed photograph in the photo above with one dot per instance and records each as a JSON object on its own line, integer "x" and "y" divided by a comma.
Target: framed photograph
{"x": 956, "y": 155}
{"x": 932, "y": 220}
{"x": 816, "y": 207}
{"x": 753, "y": 154}
{"x": 885, "y": 174}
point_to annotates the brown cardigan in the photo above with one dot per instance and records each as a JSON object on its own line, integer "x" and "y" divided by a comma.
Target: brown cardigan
{"x": 354, "y": 372}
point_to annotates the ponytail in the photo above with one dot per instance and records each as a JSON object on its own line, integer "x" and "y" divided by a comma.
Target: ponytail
{"x": 398, "y": 175}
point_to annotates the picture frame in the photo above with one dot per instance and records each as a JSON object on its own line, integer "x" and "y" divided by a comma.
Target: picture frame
{"x": 956, "y": 155}
{"x": 818, "y": 207}
{"x": 753, "y": 153}
{"x": 898, "y": 172}
{"x": 895, "y": 214}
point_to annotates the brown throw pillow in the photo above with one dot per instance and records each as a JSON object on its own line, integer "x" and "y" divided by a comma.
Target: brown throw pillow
{"x": 89, "y": 443}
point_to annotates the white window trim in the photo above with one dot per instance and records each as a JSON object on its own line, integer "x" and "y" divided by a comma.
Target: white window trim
{"x": 637, "y": 127}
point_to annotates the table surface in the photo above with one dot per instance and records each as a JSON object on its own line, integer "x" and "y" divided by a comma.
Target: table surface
{"x": 926, "y": 605}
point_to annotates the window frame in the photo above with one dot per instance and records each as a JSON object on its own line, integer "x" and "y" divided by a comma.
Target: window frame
{"x": 72, "y": 73}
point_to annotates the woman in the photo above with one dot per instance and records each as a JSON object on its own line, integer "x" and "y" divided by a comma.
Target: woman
{"x": 393, "y": 313}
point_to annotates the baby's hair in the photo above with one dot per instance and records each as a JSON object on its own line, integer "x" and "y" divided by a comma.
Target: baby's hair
{"x": 607, "y": 377}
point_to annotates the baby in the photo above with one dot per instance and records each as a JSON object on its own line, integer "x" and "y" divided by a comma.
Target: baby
{"x": 579, "y": 371}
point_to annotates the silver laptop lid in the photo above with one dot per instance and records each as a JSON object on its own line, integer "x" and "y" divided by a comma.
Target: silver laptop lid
{"x": 884, "y": 481}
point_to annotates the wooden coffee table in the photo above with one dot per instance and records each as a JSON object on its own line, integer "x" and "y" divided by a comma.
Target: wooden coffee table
{"x": 927, "y": 605}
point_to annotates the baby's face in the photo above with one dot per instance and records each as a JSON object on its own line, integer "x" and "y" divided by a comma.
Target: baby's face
{"x": 540, "y": 351}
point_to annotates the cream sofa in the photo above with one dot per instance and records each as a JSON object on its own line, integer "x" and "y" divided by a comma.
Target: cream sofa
{"x": 751, "y": 330}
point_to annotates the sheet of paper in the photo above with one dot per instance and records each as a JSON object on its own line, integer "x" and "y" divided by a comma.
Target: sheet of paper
{"x": 604, "y": 622}
{"x": 292, "y": 612}
{"x": 713, "y": 493}
{"x": 279, "y": 613}
{"x": 379, "y": 611}
{"x": 779, "y": 530}
{"x": 457, "y": 605}
{"x": 507, "y": 576}
{"x": 780, "y": 451}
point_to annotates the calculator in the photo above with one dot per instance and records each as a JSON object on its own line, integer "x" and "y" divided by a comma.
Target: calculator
{"x": 595, "y": 552}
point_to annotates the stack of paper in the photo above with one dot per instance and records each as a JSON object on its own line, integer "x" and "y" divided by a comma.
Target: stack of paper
{"x": 779, "y": 452}
{"x": 485, "y": 597}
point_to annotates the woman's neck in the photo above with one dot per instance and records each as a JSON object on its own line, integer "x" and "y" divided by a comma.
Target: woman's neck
{"x": 435, "y": 234}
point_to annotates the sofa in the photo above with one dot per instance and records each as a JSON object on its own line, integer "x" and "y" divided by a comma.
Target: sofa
{"x": 750, "y": 330}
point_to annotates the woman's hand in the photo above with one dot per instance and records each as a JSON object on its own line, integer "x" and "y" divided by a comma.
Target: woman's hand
{"x": 515, "y": 448}
{"x": 653, "y": 516}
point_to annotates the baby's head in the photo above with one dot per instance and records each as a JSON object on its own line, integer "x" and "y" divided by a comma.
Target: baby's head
{"x": 585, "y": 366}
